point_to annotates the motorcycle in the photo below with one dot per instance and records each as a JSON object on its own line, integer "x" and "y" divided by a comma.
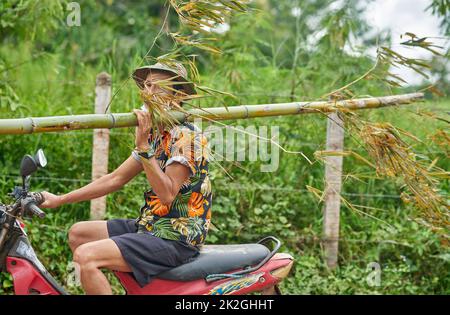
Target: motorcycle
{"x": 218, "y": 269}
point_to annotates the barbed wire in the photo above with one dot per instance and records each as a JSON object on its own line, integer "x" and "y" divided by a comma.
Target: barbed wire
{"x": 234, "y": 186}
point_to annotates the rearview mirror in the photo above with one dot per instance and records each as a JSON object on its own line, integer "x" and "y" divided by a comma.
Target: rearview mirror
{"x": 30, "y": 164}
{"x": 40, "y": 158}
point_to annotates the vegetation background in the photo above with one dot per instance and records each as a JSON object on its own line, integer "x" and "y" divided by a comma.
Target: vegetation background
{"x": 283, "y": 50}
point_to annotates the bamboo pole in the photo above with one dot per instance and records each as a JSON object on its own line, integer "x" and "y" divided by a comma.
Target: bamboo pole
{"x": 120, "y": 120}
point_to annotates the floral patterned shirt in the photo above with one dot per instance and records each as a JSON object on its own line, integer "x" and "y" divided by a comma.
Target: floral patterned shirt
{"x": 188, "y": 217}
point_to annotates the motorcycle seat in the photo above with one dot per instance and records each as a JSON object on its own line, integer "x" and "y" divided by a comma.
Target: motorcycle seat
{"x": 214, "y": 259}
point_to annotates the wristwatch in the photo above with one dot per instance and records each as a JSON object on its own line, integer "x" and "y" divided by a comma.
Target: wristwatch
{"x": 145, "y": 154}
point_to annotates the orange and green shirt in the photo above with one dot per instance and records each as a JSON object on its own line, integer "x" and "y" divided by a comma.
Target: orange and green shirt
{"x": 188, "y": 217}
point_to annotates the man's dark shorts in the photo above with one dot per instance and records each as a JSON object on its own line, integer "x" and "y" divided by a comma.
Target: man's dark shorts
{"x": 146, "y": 254}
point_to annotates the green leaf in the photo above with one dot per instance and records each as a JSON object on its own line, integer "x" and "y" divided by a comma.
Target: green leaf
{"x": 7, "y": 283}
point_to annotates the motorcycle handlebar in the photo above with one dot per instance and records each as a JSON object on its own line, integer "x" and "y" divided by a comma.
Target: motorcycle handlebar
{"x": 30, "y": 204}
{"x": 35, "y": 209}
{"x": 38, "y": 197}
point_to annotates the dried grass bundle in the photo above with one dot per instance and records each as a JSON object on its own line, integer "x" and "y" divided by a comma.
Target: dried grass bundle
{"x": 393, "y": 157}
{"x": 200, "y": 17}
{"x": 159, "y": 105}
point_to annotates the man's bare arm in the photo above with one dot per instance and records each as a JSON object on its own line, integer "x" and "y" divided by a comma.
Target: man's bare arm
{"x": 167, "y": 184}
{"x": 105, "y": 184}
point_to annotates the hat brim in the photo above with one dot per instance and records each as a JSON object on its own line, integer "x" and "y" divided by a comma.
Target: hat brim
{"x": 140, "y": 75}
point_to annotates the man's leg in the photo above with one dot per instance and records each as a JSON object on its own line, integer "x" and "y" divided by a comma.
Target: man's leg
{"x": 87, "y": 231}
{"x": 95, "y": 255}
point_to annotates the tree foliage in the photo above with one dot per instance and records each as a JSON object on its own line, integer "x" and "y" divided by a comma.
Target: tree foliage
{"x": 279, "y": 51}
